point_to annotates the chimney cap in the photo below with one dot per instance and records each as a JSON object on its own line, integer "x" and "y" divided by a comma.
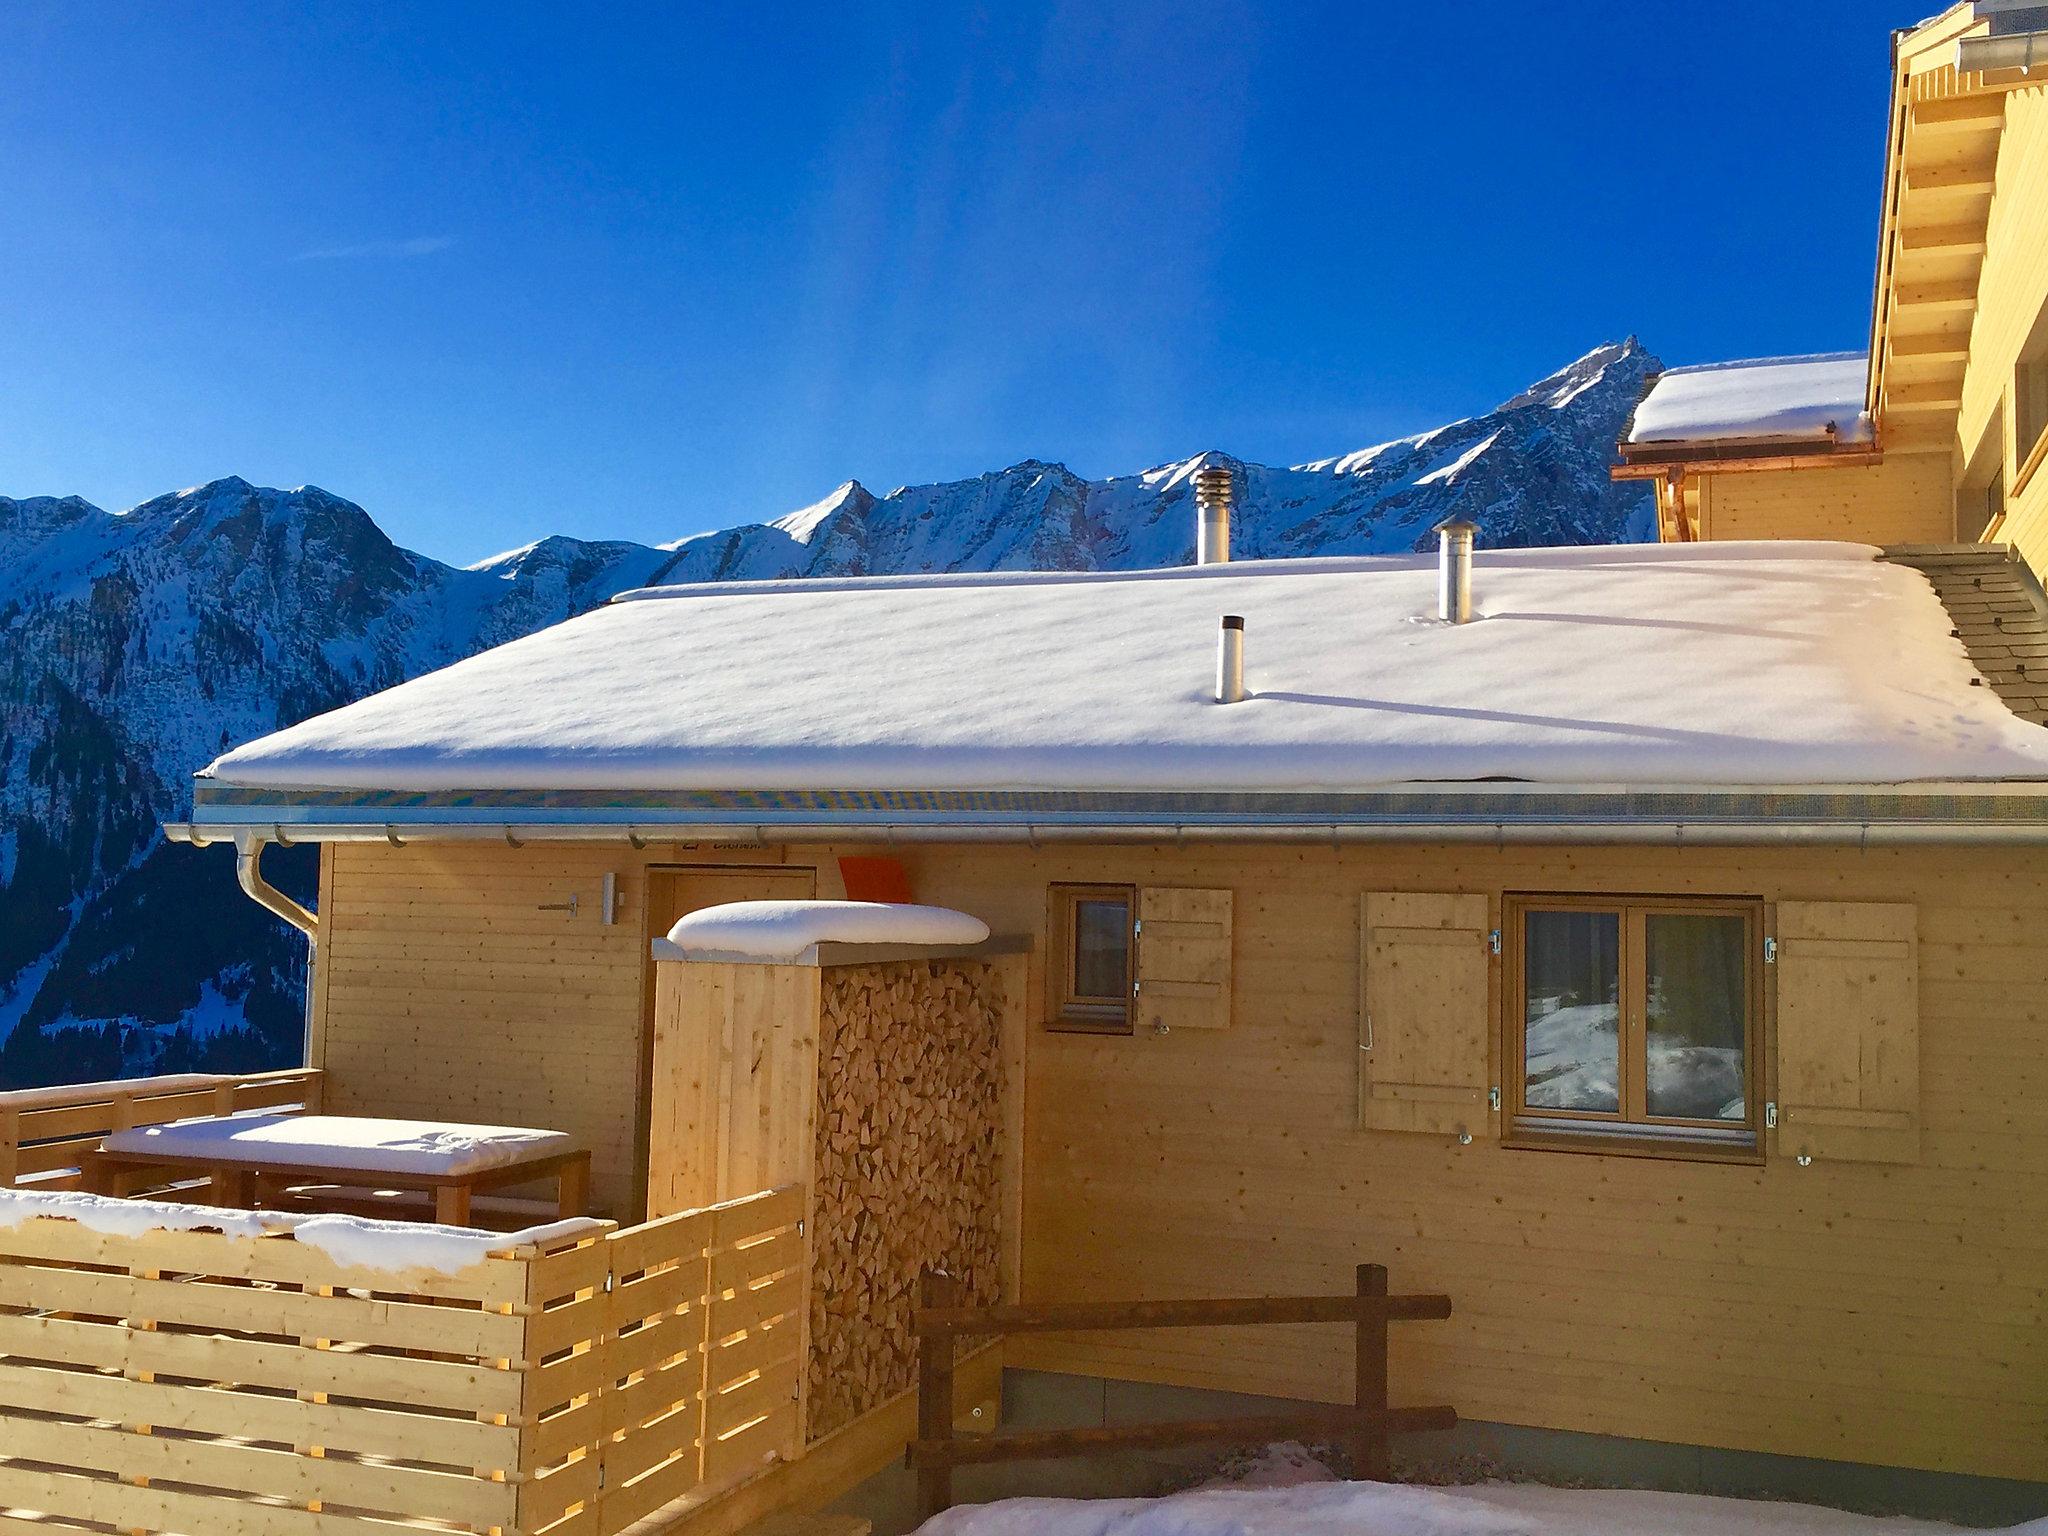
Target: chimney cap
{"x": 1456, "y": 525}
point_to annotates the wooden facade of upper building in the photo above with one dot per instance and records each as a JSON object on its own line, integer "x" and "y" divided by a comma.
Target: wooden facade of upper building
{"x": 1884, "y": 1305}
{"x": 1959, "y": 336}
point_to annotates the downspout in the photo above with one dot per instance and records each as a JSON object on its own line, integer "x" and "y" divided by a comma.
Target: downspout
{"x": 249, "y": 846}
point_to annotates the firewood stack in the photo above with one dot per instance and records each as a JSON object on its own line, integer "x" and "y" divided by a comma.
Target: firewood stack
{"x": 909, "y": 1132}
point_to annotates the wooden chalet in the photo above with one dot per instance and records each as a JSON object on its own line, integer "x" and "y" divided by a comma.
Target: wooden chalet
{"x": 1640, "y": 947}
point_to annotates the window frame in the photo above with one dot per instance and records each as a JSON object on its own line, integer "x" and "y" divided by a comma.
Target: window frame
{"x": 1070, "y": 1011}
{"x": 1630, "y": 1129}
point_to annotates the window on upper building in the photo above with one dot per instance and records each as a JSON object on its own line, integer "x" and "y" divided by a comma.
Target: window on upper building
{"x": 1633, "y": 1024}
{"x": 2030, "y": 413}
{"x": 1089, "y": 984}
{"x": 1980, "y": 493}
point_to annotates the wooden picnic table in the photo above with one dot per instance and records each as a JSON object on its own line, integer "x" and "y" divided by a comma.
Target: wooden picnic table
{"x": 247, "y": 1156}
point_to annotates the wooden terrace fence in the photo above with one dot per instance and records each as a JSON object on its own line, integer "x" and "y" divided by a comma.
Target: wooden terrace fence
{"x": 1366, "y": 1423}
{"x": 215, "y": 1385}
{"x": 44, "y": 1131}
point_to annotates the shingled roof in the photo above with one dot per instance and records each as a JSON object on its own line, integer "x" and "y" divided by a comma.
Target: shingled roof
{"x": 2000, "y": 614}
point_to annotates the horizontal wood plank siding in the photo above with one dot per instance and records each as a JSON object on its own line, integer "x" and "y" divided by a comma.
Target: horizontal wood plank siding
{"x": 1856, "y": 1311}
{"x": 445, "y": 993}
{"x": 1907, "y": 499}
{"x": 1893, "y": 1314}
{"x": 2012, "y": 288}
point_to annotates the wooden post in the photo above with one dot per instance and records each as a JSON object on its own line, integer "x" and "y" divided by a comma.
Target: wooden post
{"x": 935, "y": 1288}
{"x": 1369, "y": 1445}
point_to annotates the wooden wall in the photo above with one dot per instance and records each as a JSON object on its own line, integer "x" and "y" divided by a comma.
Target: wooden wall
{"x": 1863, "y": 1312}
{"x": 1892, "y": 1314}
{"x": 443, "y": 990}
{"x": 735, "y": 1086}
{"x": 1907, "y": 499}
{"x": 2011, "y": 290}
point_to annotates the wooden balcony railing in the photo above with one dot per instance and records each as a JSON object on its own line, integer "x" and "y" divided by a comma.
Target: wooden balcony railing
{"x": 571, "y": 1382}
{"x": 44, "y": 1131}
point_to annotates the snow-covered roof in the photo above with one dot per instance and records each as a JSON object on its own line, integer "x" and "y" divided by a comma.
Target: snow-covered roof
{"x": 1718, "y": 664}
{"x": 791, "y": 931}
{"x": 1798, "y": 399}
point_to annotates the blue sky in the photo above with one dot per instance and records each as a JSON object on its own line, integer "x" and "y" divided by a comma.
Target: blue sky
{"x": 496, "y": 271}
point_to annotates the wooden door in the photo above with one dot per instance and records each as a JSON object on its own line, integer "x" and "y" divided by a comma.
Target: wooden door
{"x": 671, "y": 893}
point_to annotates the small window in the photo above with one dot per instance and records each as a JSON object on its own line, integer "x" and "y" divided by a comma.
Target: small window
{"x": 1090, "y": 956}
{"x": 1632, "y": 1024}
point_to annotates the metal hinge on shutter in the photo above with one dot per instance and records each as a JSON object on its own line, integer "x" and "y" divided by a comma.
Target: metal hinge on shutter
{"x": 1770, "y": 951}
{"x": 1770, "y": 1117}
{"x": 1493, "y": 1099}
{"x": 1493, "y": 941}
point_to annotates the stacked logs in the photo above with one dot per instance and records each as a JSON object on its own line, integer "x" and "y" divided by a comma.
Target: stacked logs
{"x": 909, "y": 1134}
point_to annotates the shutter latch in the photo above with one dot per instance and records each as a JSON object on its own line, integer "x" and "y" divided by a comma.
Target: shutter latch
{"x": 1493, "y": 1099}
{"x": 1770, "y": 1117}
{"x": 1493, "y": 941}
{"x": 1770, "y": 951}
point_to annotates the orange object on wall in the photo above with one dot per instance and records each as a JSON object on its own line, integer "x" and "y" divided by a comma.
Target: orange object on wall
{"x": 875, "y": 879}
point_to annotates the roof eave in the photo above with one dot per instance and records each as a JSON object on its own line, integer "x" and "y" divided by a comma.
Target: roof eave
{"x": 1478, "y": 812}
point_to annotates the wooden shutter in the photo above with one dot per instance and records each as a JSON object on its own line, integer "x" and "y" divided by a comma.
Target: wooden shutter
{"x": 1183, "y": 958}
{"x": 1423, "y": 1062}
{"x": 1848, "y": 1021}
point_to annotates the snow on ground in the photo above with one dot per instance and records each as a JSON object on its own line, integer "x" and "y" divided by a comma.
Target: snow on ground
{"x": 1796, "y": 397}
{"x": 1702, "y": 664}
{"x": 793, "y": 930}
{"x": 1310, "y": 1508}
{"x": 359, "y": 1143}
{"x": 354, "y": 1242}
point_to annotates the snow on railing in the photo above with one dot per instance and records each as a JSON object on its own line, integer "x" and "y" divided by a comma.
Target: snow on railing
{"x": 45, "y": 1131}
{"x": 154, "y": 1370}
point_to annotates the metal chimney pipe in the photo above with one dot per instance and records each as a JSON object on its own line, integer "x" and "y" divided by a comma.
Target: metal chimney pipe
{"x": 1454, "y": 570}
{"x": 1215, "y": 489}
{"x": 1230, "y": 660}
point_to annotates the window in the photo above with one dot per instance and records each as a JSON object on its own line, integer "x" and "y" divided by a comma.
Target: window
{"x": 1090, "y": 955}
{"x": 1632, "y": 1023}
{"x": 2030, "y": 412}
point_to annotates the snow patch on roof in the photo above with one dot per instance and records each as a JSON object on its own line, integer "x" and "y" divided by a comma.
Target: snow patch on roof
{"x": 793, "y": 930}
{"x": 1818, "y": 398}
{"x": 1652, "y": 665}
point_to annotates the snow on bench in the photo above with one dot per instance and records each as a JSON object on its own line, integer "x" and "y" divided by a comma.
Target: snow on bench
{"x": 351, "y": 1143}
{"x": 353, "y": 1242}
{"x": 789, "y": 932}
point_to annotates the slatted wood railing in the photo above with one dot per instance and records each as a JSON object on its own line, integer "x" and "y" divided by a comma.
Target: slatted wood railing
{"x": 573, "y": 1382}
{"x": 44, "y": 1131}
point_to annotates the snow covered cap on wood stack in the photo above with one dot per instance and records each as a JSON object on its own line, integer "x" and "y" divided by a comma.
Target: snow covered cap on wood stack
{"x": 1793, "y": 401}
{"x": 1730, "y": 664}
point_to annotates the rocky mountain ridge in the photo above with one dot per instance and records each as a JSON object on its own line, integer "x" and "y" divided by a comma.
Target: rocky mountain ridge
{"x": 135, "y": 646}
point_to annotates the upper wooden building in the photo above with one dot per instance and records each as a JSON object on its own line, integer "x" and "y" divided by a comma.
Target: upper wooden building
{"x": 1936, "y": 431}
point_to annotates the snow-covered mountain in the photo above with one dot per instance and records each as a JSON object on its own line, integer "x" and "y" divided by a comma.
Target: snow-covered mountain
{"x": 134, "y": 646}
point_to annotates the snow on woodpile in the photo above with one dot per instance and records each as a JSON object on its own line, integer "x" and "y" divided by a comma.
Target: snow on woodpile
{"x": 352, "y": 1242}
{"x": 1819, "y": 397}
{"x": 793, "y": 930}
{"x": 1392, "y": 1509}
{"x": 1641, "y": 665}
{"x": 359, "y": 1143}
